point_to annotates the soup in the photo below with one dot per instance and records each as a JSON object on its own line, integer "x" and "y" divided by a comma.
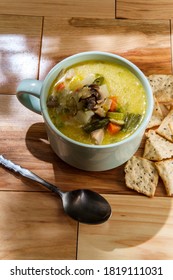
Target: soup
{"x": 96, "y": 102}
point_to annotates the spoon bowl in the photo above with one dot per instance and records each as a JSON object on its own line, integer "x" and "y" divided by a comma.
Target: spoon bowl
{"x": 82, "y": 205}
{"x": 86, "y": 206}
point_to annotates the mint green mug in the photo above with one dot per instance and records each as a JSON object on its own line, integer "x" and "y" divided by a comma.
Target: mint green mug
{"x": 33, "y": 95}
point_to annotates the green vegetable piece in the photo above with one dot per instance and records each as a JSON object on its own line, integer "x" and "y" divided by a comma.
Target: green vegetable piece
{"x": 95, "y": 124}
{"x": 131, "y": 121}
{"x": 99, "y": 80}
{"x": 118, "y": 116}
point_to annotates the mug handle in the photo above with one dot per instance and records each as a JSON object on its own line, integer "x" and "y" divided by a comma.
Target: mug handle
{"x": 28, "y": 93}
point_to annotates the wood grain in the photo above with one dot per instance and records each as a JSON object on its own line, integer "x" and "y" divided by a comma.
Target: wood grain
{"x": 19, "y": 50}
{"x": 138, "y": 229}
{"x": 60, "y": 8}
{"x": 146, "y": 43}
{"x": 34, "y": 226}
{"x": 153, "y": 9}
{"x": 172, "y": 42}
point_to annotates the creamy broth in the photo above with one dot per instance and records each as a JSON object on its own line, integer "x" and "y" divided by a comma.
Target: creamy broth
{"x": 81, "y": 78}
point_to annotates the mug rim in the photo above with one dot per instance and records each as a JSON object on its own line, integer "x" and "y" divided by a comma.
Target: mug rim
{"x": 131, "y": 66}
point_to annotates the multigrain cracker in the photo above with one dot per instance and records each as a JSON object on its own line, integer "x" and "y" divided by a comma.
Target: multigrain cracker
{"x": 165, "y": 169}
{"x": 141, "y": 175}
{"x": 171, "y": 127}
{"x": 165, "y": 109}
{"x": 164, "y": 128}
{"x": 162, "y": 87}
{"x": 157, "y": 115}
{"x": 156, "y": 147}
{"x": 151, "y": 152}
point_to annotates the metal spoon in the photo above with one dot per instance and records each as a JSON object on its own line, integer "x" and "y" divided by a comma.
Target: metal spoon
{"x": 82, "y": 205}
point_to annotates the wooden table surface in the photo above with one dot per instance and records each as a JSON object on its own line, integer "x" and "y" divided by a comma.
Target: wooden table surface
{"x": 34, "y": 36}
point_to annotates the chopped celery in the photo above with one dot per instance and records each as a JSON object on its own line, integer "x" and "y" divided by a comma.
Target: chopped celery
{"x": 116, "y": 116}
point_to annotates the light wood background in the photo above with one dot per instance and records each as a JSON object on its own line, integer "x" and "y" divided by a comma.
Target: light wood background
{"x": 162, "y": 9}
{"x": 34, "y": 36}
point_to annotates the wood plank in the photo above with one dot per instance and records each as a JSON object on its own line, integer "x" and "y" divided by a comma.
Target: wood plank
{"x": 146, "y": 43}
{"x": 153, "y": 9}
{"x": 91, "y": 8}
{"x": 23, "y": 139}
{"x": 172, "y": 41}
{"x": 20, "y": 49}
{"x": 139, "y": 228}
{"x": 34, "y": 226}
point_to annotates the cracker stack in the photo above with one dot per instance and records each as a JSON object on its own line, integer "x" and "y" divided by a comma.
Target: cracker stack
{"x": 142, "y": 173}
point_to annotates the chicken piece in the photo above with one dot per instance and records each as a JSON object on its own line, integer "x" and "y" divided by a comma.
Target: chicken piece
{"x": 98, "y": 135}
{"x": 100, "y": 112}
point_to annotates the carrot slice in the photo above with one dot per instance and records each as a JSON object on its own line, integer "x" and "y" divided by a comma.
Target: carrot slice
{"x": 113, "y": 128}
{"x": 113, "y": 106}
{"x": 60, "y": 86}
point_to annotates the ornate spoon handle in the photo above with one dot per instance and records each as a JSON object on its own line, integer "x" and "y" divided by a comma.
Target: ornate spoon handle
{"x": 27, "y": 173}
